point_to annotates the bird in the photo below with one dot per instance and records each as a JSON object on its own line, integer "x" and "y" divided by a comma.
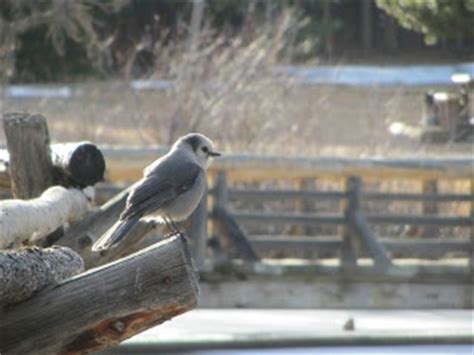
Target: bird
{"x": 169, "y": 191}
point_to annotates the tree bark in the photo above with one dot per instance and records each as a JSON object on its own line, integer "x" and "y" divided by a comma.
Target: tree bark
{"x": 100, "y": 308}
{"x": 30, "y": 221}
{"x": 26, "y": 271}
{"x": 30, "y": 158}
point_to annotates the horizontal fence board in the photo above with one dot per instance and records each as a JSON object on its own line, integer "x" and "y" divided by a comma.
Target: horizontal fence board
{"x": 286, "y": 218}
{"x": 333, "y": 244}
{"x": 418, "y": 197}
{"x": 107, "y": 190}
{"x": 127, "y": 163}
{"x": 309, "y": 219}
{"x": 256, "y": 194}
{"x": 420, "y": 220}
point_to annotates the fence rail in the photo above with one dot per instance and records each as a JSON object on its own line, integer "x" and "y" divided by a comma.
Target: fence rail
{"x": 126, "y": 163}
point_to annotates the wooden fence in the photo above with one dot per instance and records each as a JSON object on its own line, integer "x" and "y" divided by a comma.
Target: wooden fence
{"x": 244, "y": 191}
{"x": 356, "y": 237}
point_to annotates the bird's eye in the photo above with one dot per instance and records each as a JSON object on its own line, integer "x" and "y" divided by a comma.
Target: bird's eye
{"x": 205, "y": 149}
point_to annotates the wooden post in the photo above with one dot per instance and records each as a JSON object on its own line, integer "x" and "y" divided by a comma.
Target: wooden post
{"x": 30, "y": 158}
{"x": 225, "y": 225}
{"x": 219, "y": 197}
{"x": 221, "y": 194}
{"x": 302, "y": 206}
{"x": 100, "y": 308}
{"x": 359, "y": 225}
{"x": 198, "y": 231}
{"x": 349, "y": 243}
{"x": 471, "y": 232}
{"x": 430, "y": 208}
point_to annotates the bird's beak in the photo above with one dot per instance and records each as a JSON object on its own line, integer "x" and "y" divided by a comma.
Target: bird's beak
{"x": 214, "y": 154}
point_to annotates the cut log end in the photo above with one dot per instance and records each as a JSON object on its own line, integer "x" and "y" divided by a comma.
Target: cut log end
{"x": 24, "y": 272}
{"x": 82, "y": 164}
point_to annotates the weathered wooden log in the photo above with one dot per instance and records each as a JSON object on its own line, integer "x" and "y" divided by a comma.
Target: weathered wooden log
{"x": 29, "y": 221}
{"x": 82, "y": 235}
{"x": 74, "y": 164}
{"x": 100, "y": 308}
{"x": 142, "y": 230}
{"x": 26, "y": 271}
{"x": 29, "y": 154}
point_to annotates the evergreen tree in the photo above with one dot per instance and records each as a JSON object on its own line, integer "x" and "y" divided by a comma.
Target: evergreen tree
{"x": 436, "y": 19}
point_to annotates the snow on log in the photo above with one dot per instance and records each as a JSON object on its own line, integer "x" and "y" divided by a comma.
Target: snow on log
{"x": 32, "y": 220}
{"x": 26, "y": 271}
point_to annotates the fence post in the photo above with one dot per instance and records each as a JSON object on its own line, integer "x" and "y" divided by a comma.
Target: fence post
{"x": 302, "y": 206}
{"x": 27, "y": 139}
{"x": 226, "y": 225}
{"x": 198, "y": 231}
{"x": 221, "y": 194}
{"x": 471, "y": 232}
{"x": 358, "y": 223}
{"x": 430, "y": 208}
{"x": 348, "y": 250}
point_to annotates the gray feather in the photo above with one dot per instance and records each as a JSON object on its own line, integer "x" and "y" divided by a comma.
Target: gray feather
{"x": 114, "y": 234}
{"x": 162, "y": 185}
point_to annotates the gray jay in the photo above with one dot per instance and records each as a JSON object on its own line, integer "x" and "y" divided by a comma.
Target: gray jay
{"x": 169, "y": 191}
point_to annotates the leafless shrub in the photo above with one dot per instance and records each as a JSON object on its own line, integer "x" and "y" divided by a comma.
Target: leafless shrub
{"x": 226, "y": 87}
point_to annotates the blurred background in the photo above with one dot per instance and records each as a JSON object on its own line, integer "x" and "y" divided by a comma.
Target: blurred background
{"x": 301, "y": 96}
{"x": 246, "y": 66}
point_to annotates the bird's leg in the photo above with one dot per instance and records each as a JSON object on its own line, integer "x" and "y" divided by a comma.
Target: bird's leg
{"x": 171, "y": 226}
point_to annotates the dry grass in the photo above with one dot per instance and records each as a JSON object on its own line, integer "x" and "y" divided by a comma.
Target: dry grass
{"x": 290, "y": 120}
{"x": 227, "y": 89}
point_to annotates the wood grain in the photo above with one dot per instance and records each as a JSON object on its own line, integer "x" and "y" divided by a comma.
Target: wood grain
{"x": 104, "y": 306}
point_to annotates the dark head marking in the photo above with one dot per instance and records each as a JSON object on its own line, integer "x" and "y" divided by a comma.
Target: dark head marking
{"x": 193, "y": 140}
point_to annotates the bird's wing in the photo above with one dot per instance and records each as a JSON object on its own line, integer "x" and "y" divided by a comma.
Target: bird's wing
{"x": 161, "y": 185}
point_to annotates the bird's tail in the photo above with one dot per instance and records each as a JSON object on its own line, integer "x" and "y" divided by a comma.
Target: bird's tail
{"x": 112, "y": 237}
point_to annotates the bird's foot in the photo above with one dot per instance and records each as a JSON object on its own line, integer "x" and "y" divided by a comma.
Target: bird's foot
{"x": 172, "y": 234}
